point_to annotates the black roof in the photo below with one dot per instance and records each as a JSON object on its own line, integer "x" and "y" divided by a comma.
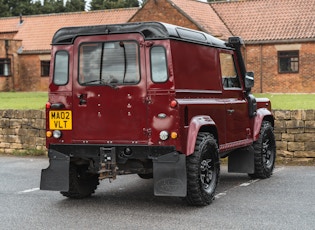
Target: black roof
{"x": 149, "y": 30}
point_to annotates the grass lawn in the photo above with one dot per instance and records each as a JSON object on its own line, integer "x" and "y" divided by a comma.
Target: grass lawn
{"x": 290, "y": 101}
{"x": 37, "y": 100}
{"x": 23, "y": 100}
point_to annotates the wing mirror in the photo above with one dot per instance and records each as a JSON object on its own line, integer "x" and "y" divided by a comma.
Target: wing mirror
{"x": 249, "y": 80}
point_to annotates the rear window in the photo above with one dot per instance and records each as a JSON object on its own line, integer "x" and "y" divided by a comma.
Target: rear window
{"x": 114, "y": 62}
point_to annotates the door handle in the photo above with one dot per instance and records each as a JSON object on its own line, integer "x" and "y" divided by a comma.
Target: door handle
{"x": 230, "y": 111}
{"x": 82, "y": 99}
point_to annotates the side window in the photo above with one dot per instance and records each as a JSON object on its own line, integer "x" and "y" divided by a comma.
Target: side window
{"x": 61, "y": 68}
{"x": 230, "y": 78}
{"x": 158, "y": 64}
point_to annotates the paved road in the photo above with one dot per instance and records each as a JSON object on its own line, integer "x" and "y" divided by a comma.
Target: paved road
{"x": 285, "y": 201}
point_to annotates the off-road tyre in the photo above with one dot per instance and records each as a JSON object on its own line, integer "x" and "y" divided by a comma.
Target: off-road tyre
{"x": 203, "y": 170}
{"x": 81, "y": 183}
{"x": 265, "y": 152}
{"x": 146, "y": 176}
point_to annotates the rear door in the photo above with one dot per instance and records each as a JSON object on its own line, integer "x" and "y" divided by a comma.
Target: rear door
{"x": 108, "y": 91}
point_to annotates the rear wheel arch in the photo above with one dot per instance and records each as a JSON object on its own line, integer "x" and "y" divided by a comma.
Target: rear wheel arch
{"x": 196, "y": 125}
{"x": 262, "y": 115}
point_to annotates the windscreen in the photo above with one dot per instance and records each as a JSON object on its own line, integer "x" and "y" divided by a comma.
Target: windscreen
{"x": 114, "y": 62}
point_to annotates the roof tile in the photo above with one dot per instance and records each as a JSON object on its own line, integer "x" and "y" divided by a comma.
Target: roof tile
{"x": 204, "y": 16}
{"x": 262, "y": 20}
{"x": 37, "y": 31}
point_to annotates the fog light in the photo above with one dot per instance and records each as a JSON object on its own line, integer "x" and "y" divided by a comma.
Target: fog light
{"x": 163, "y": 135}
{"x": 57, "y": 134}
{"x": 48, "y": 134}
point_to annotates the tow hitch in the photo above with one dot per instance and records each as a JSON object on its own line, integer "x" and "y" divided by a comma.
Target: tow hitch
{"x": 108, "y": 167}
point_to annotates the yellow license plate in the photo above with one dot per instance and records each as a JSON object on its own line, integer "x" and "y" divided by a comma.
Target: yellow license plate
{"x": 61, "y": 120}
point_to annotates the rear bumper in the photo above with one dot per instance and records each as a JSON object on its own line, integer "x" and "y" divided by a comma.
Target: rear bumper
{"x": 168, "y": 166}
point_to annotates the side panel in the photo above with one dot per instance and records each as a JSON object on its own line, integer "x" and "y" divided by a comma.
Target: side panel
{"x": 198, "y": 91}
{"x": 160, "y": 93}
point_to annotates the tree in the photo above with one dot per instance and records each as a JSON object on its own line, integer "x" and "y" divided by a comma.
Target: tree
{"x": 113, "y": 4}
{"x": 17, "y": 7}
{"x": 96, "y": 5}
{"x": 75, "y": 5}
{"x": 52, "y": 6}
{"x": 4, "y": 9}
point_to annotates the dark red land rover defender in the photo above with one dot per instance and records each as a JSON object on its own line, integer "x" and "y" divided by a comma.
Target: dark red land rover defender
{"x": 153, "y": 99}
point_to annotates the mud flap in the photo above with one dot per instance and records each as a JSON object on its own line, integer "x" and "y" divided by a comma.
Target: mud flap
{"x": 242, "y": 160}
{"x": 56, "y": 176}
{"x": 169, "y": 174}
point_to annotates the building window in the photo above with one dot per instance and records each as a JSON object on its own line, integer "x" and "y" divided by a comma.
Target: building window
{"x": 5, "y": 67}
{"x": 288, "y": 61}
{"x": 44, "y": 68}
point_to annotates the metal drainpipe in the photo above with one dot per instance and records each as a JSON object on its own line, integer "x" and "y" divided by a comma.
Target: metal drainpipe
{"x": 261, "y": 71}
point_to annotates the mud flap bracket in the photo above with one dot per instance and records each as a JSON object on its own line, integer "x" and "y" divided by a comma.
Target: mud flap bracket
{"x": 56, "y": 176}
{"x": 169, "y": 174}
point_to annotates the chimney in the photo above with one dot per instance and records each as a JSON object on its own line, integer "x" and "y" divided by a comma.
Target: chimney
{"x": 21, "y": 19}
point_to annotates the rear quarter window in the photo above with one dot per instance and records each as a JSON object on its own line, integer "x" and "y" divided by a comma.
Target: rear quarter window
{"x": 158, "y": 64}
{"x": 61, "y": 68}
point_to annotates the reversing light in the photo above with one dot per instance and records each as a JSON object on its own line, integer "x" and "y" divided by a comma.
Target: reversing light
{"x": 48, "y": 134}
{"x": 56, "y": 134}
{"x": 48, "y": 105}
{"x": 173, "y": 103}
{"x": 163, "y": 135}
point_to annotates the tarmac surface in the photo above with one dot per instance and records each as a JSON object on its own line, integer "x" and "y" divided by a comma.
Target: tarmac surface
{"x": 284, "y": 201}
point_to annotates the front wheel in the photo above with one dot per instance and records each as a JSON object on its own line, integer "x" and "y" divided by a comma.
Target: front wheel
{"x": 265, "y": 152}
{"x": 203, "y": 169}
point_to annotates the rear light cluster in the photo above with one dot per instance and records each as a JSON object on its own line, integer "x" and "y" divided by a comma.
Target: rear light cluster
{"x": 164, "y": 135}
{"x": 48, "y": 105}
{"x": 56, "y": 133}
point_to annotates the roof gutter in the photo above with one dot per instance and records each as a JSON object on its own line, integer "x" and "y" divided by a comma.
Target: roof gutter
{"x": 282, "y": 41}
{"x": 35, "y": 52}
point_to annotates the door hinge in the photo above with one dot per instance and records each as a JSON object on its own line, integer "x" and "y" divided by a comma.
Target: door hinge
{"x": 148, "y": 100}
{"x": 147, "y": 131}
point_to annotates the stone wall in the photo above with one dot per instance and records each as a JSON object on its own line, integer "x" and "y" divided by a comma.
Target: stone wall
{"x": 22, "y": 130}
{"x": 295, "y": 135}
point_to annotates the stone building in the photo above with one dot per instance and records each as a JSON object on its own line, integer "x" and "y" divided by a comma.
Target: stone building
{"x": 279, "y": 37}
